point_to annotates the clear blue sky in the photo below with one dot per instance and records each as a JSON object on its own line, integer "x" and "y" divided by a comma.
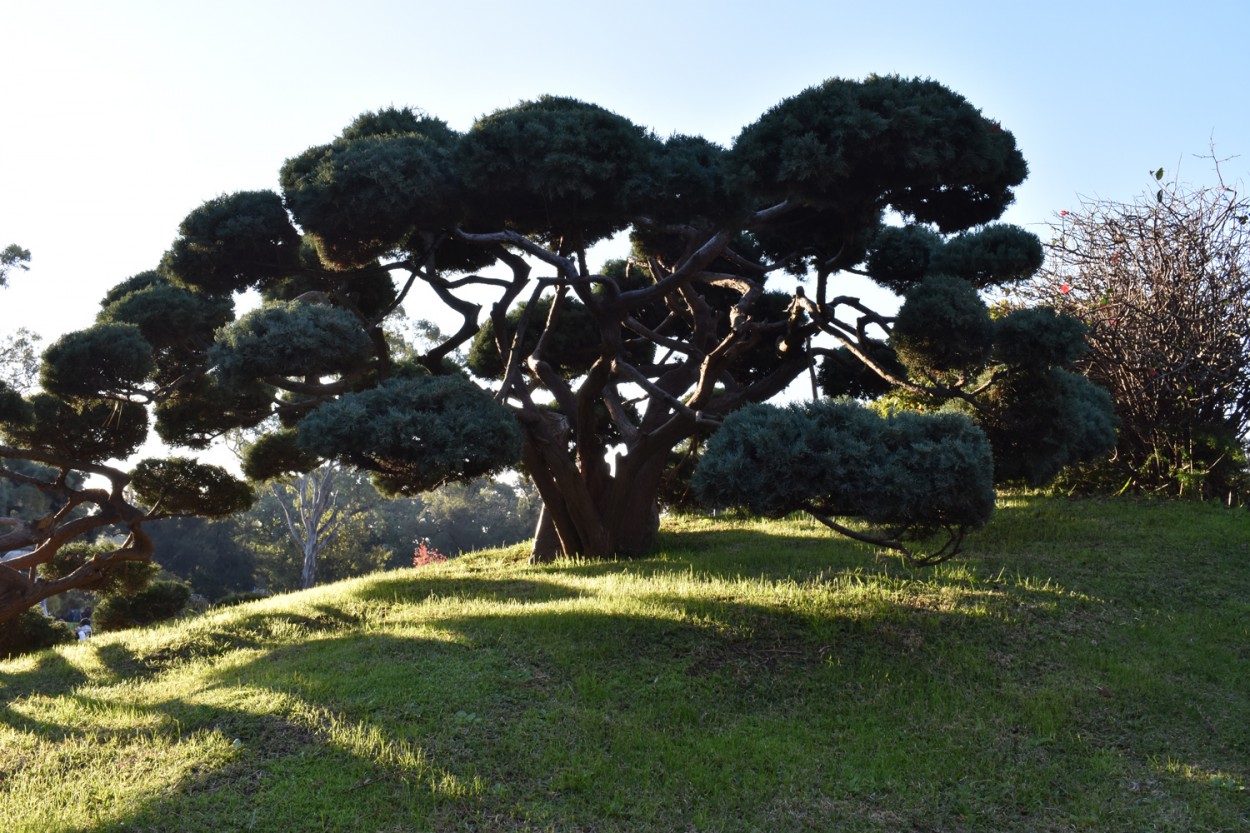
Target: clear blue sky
{"x": 119, "y": 117}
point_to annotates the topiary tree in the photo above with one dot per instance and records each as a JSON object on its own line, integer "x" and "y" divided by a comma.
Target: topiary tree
{"x": 590, "y": 379}
{"x": 59, "y": 444}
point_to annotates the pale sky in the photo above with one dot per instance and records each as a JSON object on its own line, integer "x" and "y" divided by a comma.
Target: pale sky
{"x": 117, "y": 118}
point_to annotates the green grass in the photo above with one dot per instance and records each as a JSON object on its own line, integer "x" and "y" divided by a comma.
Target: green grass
{"x": 1085, "y": 667}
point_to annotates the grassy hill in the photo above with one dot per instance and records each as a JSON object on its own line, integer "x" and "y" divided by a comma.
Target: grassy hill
{"x": 1085, "y": 667}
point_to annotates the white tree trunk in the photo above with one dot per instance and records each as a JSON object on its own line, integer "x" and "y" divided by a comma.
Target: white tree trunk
{"x": 314, "y": 516}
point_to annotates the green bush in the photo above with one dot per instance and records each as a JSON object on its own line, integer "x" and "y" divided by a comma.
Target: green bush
{"x": 913, "y": 472}
{"x": 160, "y": 600}
{"x": 241, "y": 598}
{"x": 33, "y": 631}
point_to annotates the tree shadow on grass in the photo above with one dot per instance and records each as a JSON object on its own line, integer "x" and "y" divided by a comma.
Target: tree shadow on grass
{"x": 52, "y": 675}
{"x": 505, "y": 720}
{"x": 569, "y": 715}
{"x": 735, "y": 553}
{"x": 529, "y": 714}
{"x": 407, "y": 589}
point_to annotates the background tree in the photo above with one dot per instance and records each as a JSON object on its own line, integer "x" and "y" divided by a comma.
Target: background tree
{"x": 472, "y": 516}
{"x": 571, "y": 365}
{"x": 253, "y": 549}
{"x": 314, "y": 512}
{"x": 1163, "y": 285}
{"x": 355, "y": 530}
{"x": 19, "y": 359}
{"x": 207, "y": 554}
{"x": 12, "y": 257}
{"x": 459, "y": 517}
{"x": 19, "y": 351}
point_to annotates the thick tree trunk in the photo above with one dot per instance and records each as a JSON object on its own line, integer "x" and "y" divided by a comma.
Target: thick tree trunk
{"x": 546, "y": 540}
{"x": 632, "y": 511}
{"x": 308, "y": 576}
{"x": 629, "y": 530}
{"x": 592, "y": 514}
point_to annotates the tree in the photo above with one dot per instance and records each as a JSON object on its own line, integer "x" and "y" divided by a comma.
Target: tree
{"x": 590, "y": 379}
{"x": 65, "y": 438}
{"x": 19, "y": 359}
{"x": 466, "y": 517}
{"x": 1163, "y": 285}
{"x": 206, "y": 554}
{"x": 372, "y": 532}
{"x": 869, "y": 468}
{"x": 19, "y": 352}
{"x": 58, "y": 443}
{"x": 314, "y": 514}
{"x": 12, "y": 257}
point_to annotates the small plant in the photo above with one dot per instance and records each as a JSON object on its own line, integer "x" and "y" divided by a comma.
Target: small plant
{"x": 160, "y": 600}
{"x": 241, "y": 598}
{"x": 32, "y": 631}
{"x": 425, "y": 554}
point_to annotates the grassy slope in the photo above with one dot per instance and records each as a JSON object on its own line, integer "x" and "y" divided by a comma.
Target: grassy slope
{"x": 1086, "y": 667}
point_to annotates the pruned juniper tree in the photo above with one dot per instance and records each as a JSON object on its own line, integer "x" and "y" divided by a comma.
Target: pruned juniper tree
{"x": 591, "y": 380}
{"x": 74, "y": 545}
{"x": 59, "y": 444}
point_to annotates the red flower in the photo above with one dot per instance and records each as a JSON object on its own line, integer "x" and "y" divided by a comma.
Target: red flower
{"x": 425, "y": 554}
{"x": 1063, "y": 213}
{"x": 1064, "y": 288}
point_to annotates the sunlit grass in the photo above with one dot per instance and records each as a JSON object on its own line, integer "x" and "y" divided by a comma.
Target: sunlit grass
{"x": 1084, "y": 667}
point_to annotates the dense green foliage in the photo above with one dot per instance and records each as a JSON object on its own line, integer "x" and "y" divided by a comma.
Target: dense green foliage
{"x": 290, "y": 339}
{"x": 843, "y": 146}
{"x": 416, "y": 433}
{"x": 156, "y": 602}
{"x": 943, "y": 326}
{"x": 78, "y": 432}
{"x": 1044, "y": 420}
{"x": 110, "y": 360}
{"x": 909, "y": 474}
{"x": 564, "y": 171}
{"x": 233, "y": 242}
{"x": 182, "y": 486}
{"x": 33, "y": 631}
